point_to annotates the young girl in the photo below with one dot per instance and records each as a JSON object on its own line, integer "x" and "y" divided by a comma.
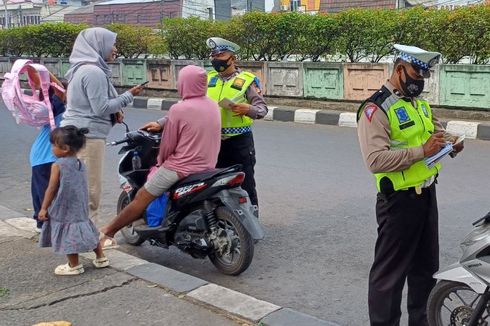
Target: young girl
{"x": 68, "y": 228}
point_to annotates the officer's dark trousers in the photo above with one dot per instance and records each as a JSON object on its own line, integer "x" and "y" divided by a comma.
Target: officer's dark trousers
{"x": 407, "y": 248}
{"x": 240, "y": 150}
{"x": 39, "y": 184}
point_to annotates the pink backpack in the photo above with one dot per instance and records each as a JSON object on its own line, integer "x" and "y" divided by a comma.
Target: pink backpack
{"x": 29, "y": 109}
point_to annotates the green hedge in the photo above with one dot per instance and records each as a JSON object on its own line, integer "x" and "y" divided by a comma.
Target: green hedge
{"x": 353, "y": 35}
{"x": 56, "y": 40}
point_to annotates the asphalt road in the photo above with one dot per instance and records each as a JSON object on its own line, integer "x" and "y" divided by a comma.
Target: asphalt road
{"x": 317, "y": 206}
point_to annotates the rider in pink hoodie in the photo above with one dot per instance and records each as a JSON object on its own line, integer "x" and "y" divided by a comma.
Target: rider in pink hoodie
{"x": 192, "y": 127}
{"x": 190, "y": 144}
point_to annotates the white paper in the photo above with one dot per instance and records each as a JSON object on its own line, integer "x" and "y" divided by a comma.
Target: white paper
{"x": 432, "y": 160}
{"x": 226, "y": 103}
{"x": 459, "y": 140}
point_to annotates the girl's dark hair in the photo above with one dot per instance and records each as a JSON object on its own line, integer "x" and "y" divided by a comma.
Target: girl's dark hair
{"x": 70, "y": 136}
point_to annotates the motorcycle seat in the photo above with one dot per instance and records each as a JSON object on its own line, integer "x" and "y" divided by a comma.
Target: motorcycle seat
{"x": 197, "y": 177}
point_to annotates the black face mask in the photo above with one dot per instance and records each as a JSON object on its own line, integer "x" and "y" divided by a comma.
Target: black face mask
{"x": 220, "y": 65}
{"x": 411, "y": 87}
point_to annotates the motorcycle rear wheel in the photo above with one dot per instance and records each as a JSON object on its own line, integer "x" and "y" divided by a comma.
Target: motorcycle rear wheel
{"x": 128, "y": 232}
{"x": 242, "y": 256}
{"x": 452, "y": 303}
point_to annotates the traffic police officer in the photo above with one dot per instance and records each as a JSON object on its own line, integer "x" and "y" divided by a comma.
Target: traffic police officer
{"x": 242, "y": 88}
{"x": 396, "y": 131}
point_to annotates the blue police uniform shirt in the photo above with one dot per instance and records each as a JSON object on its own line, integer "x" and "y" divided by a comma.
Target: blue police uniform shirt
{"x": 41, "y": 152}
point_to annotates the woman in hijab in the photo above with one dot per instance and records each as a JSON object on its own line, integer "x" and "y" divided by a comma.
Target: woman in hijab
{"x": 93, "y": 102}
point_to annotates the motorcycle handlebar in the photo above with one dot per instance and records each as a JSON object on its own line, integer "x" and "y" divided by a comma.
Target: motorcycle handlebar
{"x": 114, "y": 143}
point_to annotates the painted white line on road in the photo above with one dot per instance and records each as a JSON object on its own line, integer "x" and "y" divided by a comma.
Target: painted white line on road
{"x": 348, "y": 119}
{"x": 7, "y": 230}
{"x": 118, "y": 259}
{"x": 232, "y": 301}
{"x": 270, "y": 113}
{"x": 469, "y": 129}
{"x": 154, "y": 103}
{"x": 23, "y": 223}
{"x": 305, "y": 115}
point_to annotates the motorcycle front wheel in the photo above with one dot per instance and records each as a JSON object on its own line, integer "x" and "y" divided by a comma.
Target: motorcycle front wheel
{"x": 128, "y": 232}
{"x": 241, "y": 251}
{"x": 452, "y": 303}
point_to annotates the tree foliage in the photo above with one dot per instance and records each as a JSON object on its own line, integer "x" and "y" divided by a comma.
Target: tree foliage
{"x": 50, "y": 39}
{"x": 132, "y": 41}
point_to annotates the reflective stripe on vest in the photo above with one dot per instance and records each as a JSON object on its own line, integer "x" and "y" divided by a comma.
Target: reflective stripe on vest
{"x": 233, "y": 89}
{"x": 410, "y": 127}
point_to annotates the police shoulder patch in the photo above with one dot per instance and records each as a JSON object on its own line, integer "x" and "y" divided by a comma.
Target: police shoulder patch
{"x": 424, "y": 109}
{"x": 256, "y": 85}
{"x": 369, "y": 111}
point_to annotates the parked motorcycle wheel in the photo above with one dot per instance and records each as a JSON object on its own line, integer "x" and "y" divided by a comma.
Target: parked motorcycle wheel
{"x": 452, "y": 303}
{"x": 128, "y": 232}
{"x": 238, "y": 260}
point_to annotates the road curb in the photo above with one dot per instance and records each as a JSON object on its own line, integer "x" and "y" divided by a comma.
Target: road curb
{"x": 182, "y": 285}
{"x": 472, "y": 130}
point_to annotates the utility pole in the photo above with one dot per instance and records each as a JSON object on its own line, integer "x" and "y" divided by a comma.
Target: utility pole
{"x": 6, "y": 14}
{"x": 20, "y": 16}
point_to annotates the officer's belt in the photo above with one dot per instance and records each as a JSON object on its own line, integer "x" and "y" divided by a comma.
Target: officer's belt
{"x": 426, "y": 184}
{"x": 234, "y": 131}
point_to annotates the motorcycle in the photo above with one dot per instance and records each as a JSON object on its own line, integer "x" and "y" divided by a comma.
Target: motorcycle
{"x": 207, "y": 214}
{"x": 461, "y": 296}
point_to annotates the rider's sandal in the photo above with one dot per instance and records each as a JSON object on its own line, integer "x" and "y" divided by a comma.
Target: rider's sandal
{"x": 107, "y": 242}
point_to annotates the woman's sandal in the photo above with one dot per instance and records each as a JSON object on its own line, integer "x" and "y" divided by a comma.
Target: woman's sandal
{"x": 66, "y": 269}
{"x": 107, "y": 242}
{"x": 101, "y": 262}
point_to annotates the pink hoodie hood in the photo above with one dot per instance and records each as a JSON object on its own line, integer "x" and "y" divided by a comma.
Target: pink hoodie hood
{"x": 192, "y": 82}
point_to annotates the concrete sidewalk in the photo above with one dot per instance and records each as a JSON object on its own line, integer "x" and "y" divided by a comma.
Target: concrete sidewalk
{"x": 130, "y": 292}
{"x": 477, "y": 129}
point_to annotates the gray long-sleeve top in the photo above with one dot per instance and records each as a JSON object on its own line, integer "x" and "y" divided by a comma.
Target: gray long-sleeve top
{"x": 91, "y": 99}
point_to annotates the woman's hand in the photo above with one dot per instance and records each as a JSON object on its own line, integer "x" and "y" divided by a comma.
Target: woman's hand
{"x": 152, "y": 127}
{"x": 119, "y": 117}
{"x": 136, "y": 90}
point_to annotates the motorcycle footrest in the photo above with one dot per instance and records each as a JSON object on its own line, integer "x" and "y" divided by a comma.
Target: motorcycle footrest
{"x": 146, "y": 231}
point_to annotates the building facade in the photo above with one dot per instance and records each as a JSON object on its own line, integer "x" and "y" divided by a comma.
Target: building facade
{"x": 453, "y": 4}
{"x": 339, "y": 5}
{"x": 310, "y": 6}
{"x": 20, "y": 13}
{"x": 151, "y": 12}
{"x": 140, "y": 12}
{"x": 143, "y": 12}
